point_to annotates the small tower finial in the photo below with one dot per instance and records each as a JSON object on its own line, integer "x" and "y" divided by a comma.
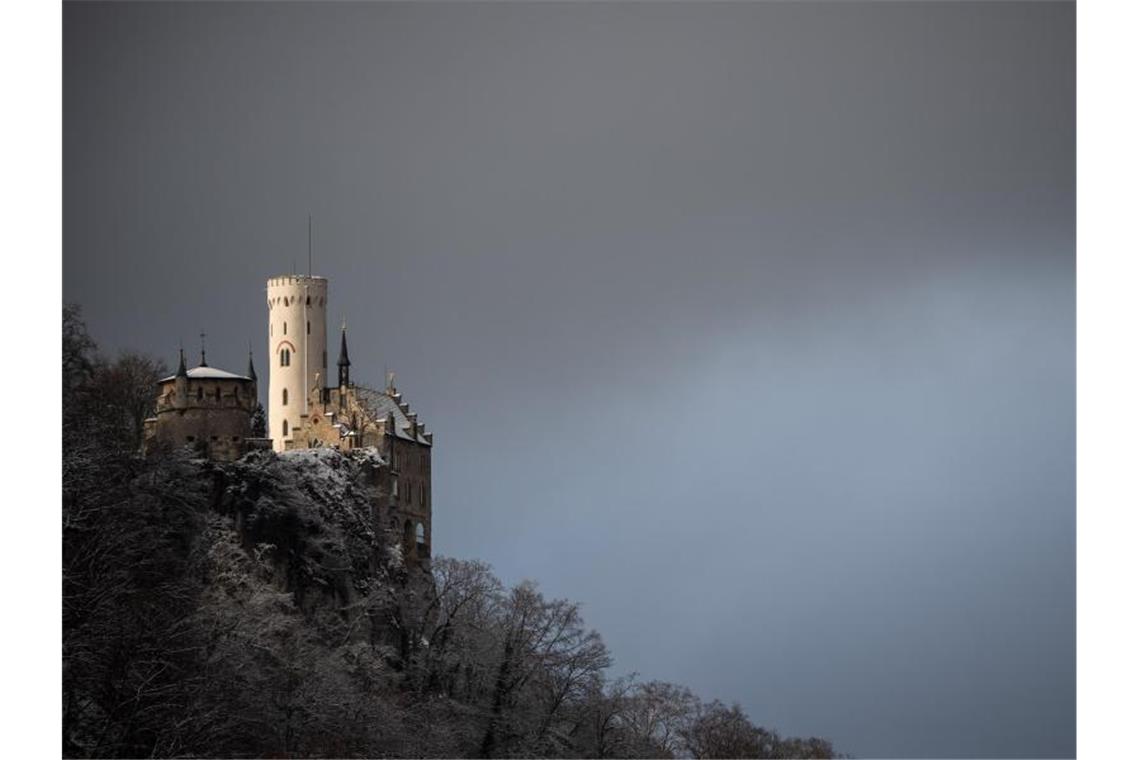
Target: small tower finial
{"x": 181, "y": 362}
{"x": 202, "y": 335}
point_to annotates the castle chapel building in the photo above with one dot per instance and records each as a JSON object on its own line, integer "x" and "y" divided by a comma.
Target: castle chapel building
{"x": 305, "y": 411}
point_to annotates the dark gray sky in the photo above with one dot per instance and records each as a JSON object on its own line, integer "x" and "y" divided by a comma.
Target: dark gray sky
{"x": 750, "y": 326}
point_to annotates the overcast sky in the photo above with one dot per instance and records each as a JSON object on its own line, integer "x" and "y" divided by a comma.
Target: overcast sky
{"x": 749, "y": 326}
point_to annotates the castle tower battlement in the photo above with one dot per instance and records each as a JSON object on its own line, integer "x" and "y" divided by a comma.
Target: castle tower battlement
{"x": 298, "y": 350}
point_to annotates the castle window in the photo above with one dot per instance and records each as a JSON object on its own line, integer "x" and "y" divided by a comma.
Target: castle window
{"x": 284, "y": 328}
{"x": 284, "y": 396}
{"x": 284, "y": 428}
{"x": 200, "y": 394}
{"x": 423, "y": 495}
{"x": 284, "y": 357}
{"x": 325, "y": 359}
{"x": 420, "y": 537}
{"x": 218, "y": 393}
{"x": 190, "y": 439}
{"x": 308, "y": 327}
{"x": 307, "y": 300}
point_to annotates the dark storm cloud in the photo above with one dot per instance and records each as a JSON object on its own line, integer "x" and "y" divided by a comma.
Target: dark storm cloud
{"x": 749, "y": 325}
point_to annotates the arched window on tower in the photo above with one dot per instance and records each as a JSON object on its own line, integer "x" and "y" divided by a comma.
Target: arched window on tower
{"x": 200, "y": 394}
{"x": 218, "y": 393}
{"x": 284, "y": 328}
{"x": 284, "y": 396}
{"x": 284, "y": 357}
{"x": 308, "y": 327}
{"x": 284, "y": 428}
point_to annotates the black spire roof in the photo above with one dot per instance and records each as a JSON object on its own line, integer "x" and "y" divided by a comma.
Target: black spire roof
{"x": 181, "y": 364}
{"x": 343, "y": 360}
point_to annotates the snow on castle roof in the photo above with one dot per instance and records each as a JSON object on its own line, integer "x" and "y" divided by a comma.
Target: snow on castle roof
{"x": 381, "y": 404}
{"x": 209, "y": 373}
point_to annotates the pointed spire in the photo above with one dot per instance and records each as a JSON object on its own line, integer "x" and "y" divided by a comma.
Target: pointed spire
{"x": 249, "y": 372}
{"x": 343, "y": 363}
{"x": 181, "y": 363}
{"x": 202, "y": 335}
{"x": 343, "y": 360}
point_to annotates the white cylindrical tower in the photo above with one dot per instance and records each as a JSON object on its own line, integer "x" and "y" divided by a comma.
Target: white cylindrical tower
{"x": 298, "y": 353}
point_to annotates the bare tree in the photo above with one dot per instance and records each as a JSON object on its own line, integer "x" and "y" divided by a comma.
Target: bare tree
{"x": 656, "y": 717}
{"x": 456, "y": 628}
{"x": 547, "y": 654}
{"x": 717, "y": 731}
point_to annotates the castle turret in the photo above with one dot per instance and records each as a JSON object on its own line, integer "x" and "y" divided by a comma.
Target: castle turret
{"x": 298, "y": 355}
{"x": 181, "y": 382}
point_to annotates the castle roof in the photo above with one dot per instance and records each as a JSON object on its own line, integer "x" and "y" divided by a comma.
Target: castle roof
{"x": 343, "y": 360}
{"x": 208, "y": 373}
{"x": 381, "y": 404}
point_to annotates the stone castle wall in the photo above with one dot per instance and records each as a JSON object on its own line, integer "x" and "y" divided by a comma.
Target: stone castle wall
{"x": 212, "y": 415}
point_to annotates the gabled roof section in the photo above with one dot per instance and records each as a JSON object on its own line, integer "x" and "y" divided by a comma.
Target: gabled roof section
{"x": 381, "y": 404}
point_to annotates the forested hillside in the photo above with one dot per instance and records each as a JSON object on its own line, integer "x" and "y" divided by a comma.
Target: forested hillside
{"x": 250, "y": 609}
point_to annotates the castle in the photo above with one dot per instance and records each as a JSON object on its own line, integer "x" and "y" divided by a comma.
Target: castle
{"x": 212, "y": 409}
